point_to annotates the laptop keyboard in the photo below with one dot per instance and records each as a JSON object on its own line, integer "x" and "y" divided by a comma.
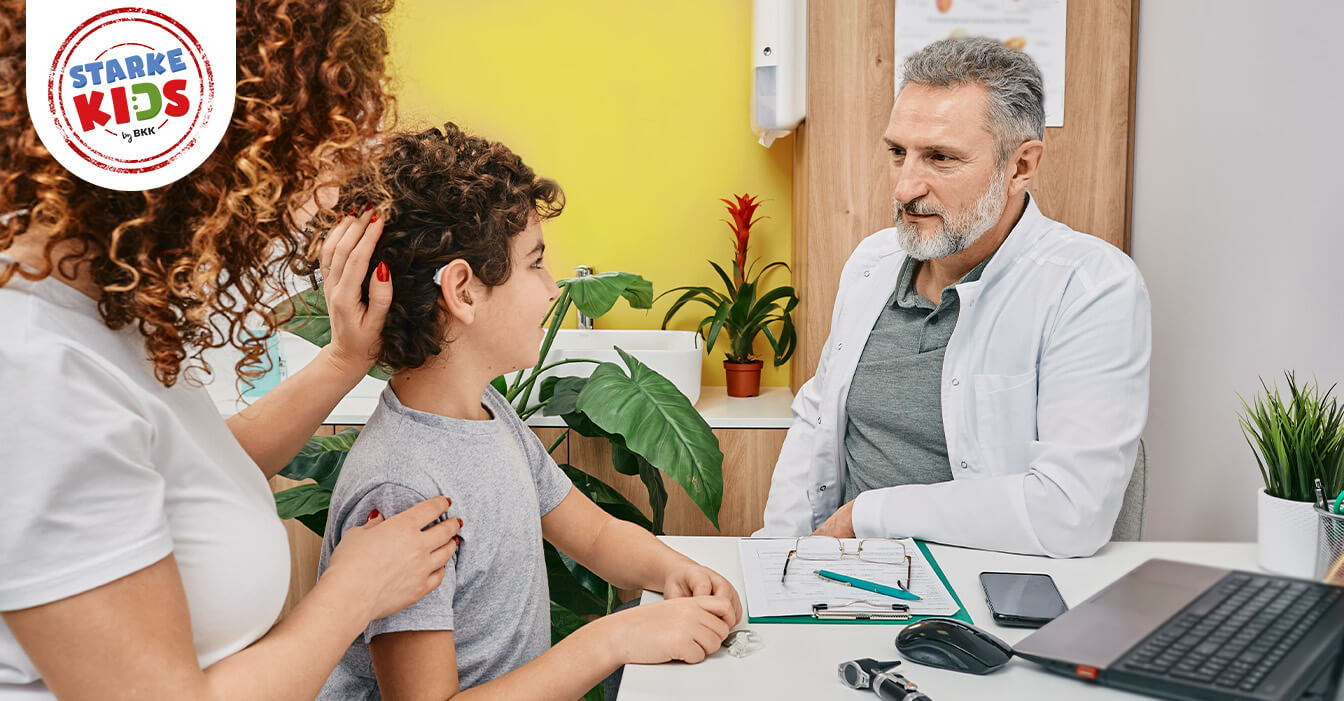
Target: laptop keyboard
{"x": 1233, "y": 635}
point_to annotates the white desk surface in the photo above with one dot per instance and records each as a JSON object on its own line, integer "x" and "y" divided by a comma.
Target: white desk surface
{"x": 799, "y": 661}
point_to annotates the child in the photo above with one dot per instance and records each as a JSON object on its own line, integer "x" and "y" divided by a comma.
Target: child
{"x": 463, "y": 246}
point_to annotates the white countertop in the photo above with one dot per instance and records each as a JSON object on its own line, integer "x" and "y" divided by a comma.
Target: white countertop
{"x": 798, "y": 661}
{"x": 769, "y": 410}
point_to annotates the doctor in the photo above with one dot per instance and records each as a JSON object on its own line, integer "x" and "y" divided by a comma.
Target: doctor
{"x": 985, "y": 382}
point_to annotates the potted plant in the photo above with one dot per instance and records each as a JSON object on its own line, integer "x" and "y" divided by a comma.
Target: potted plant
{"x": 1296, "y": 440}
{"x": 650, "y": 425}
{"x": 743, "y": 309}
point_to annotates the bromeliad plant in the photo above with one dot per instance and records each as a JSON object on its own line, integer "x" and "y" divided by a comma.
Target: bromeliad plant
{"x": 1296, "y": 439}
{"x": 743, "y": 309}
{"x": 650, "y": 425}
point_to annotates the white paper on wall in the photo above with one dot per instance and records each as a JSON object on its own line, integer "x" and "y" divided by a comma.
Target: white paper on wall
{"x": 1036, "y": 27}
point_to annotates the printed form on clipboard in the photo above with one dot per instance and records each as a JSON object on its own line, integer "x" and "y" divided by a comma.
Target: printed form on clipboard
{"x": 767, "y": 596}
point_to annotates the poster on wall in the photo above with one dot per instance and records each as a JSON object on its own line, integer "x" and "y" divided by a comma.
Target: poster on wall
{"x": 1036, "y": 27}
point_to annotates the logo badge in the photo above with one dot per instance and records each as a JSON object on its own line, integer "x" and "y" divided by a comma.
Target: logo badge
{"x": 131, "y": 98}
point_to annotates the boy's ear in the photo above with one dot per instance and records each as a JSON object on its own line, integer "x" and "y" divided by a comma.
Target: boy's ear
{"x": 455, "y": 291}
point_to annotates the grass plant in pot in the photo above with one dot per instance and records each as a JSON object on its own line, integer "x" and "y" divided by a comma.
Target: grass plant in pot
{"x": 1296, "y": 440}
{"x": 744, "y": 309}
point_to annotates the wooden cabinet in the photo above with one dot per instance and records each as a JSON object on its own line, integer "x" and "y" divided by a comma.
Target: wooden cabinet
{"x": 748, "y": 460}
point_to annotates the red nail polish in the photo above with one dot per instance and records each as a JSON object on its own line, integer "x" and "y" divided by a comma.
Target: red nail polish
{"x": 450, "y": 500}
{"x": 459, "y": 523}
{"x": 373, "y": 218}
{"x": 367, "y": 207}
{"x": 374, "y": 514}
{"x": 353, "y": 213}
{"x": 383, "y": 276}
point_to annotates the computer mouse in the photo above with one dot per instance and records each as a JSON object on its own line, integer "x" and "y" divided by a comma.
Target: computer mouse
{"x": 951, "y": 644}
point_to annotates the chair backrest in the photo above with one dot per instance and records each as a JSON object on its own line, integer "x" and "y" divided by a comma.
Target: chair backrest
{"x": 1129, "y": 524}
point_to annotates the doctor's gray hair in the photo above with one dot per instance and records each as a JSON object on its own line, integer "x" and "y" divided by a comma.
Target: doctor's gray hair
{"x": 1016, "y": 103}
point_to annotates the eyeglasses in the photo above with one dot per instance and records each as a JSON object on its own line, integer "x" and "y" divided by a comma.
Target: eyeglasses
{"x": 883, "y": 551}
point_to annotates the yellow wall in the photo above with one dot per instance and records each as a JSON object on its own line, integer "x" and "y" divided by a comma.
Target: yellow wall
{"x": 639, "y": 109}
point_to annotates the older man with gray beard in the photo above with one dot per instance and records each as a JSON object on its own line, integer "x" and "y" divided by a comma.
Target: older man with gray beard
{"x": 985, "y": 382}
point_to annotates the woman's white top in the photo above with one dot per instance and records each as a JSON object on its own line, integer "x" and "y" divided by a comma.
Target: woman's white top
{"x": 105, "y": 471}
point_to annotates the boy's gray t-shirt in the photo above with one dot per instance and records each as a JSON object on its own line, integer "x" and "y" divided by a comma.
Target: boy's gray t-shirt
{"x": 494, "y": 595}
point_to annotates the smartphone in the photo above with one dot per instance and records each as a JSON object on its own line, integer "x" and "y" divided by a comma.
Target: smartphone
{"x": 1022, "y": 600}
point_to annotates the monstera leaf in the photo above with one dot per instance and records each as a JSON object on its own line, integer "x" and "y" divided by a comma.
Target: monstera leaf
{"x": 305, "y": 315}
{"x": 308, "y": 503}
{"x": 659, "y": 424}
{"x": 595, "y": 295}
{"x": 321, "y": 458}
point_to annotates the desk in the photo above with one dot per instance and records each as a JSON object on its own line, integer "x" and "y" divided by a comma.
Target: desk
{"x": 799, "y": 661}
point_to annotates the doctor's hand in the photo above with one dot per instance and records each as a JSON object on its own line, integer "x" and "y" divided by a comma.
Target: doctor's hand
{"x": 693, "y": 579}
{"x": 840, "y": 524}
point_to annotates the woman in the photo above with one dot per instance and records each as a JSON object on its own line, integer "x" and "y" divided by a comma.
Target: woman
{"x": 140, "y": 553}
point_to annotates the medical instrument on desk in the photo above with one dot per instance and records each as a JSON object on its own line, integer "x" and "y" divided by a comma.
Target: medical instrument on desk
{"x": 866, "y": 585}
{"x": 741, "y": 643}
{"x": 881, "y": 677}
{"x": 879, "y": 612}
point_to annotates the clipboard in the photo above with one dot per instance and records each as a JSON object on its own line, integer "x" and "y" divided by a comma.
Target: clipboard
{"x": 960, "y": 615}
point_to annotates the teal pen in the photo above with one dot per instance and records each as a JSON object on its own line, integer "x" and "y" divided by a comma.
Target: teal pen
{"x": 866, "y": 585}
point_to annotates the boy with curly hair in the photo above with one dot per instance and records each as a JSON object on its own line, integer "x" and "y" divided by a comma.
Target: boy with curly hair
{"x": 463, "y": 247}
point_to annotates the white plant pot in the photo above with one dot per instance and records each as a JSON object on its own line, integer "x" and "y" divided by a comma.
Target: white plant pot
{"x": 1287, "y": 535}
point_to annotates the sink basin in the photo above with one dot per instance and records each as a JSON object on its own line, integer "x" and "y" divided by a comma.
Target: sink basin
{"x": 675, "y": 355}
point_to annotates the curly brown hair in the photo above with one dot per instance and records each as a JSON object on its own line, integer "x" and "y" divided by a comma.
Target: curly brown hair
{"x": 449, "y": 196}
{"x": 192, "y": 264}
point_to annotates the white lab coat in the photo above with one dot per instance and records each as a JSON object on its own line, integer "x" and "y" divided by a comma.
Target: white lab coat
{"x": 1044, "y": 397}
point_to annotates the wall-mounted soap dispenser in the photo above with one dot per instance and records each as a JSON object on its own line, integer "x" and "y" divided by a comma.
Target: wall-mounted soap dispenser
{"x": 779, "y": 67}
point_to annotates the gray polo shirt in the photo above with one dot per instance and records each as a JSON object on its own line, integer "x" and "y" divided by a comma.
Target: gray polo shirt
{"x": 894, "y": 410}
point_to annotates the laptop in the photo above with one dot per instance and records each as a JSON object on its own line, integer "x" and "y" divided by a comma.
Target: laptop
{"x": 1182, "y": 631}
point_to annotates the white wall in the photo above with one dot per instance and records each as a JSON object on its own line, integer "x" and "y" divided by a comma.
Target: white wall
{"x": 1239, "y": 150}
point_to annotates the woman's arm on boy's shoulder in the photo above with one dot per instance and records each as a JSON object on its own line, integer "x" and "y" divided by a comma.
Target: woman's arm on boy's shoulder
{"x": 422, "y": 665}
{"x": 629, "y": 556}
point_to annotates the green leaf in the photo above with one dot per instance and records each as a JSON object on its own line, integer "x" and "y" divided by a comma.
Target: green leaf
{"x": 563, "y": 622}
{"x": 653, "y": 481}
{"x": 573, "y": 586}
{"x": 658, "y": 423}
{"x": 306, "y": 502}
{"x": 703, "y": 295}
{"x": 500, "y": 384}
{"x": 602, "y": 494}
{"x": 727, "y": 281}
{"x": 321, "y": 458}
{"x": 561, "y": 395}
{"x": 595, "y": 295}
{"x": 622, "y": 460}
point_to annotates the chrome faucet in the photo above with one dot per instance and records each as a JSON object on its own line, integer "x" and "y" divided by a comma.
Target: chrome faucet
{"x": 585, "y": 322}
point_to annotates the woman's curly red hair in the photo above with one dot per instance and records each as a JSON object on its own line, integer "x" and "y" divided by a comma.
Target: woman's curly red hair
{"x": 193, "y": 264}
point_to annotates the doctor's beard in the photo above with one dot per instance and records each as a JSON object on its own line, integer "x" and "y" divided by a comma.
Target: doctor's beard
{"x": 955, "y": 233}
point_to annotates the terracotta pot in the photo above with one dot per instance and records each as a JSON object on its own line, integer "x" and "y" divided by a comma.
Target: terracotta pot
{"x": 744, "y": 379}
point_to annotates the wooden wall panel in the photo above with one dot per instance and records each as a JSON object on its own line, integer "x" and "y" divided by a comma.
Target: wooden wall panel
{"x": 840, "y": 188}
{"x": 748, "y": 459}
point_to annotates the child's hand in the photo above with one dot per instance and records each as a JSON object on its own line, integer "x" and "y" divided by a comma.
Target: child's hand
{"x": 685, "y": 629}
{"x": 693, "y": 579}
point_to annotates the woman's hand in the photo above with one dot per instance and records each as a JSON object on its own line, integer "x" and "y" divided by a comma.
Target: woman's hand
{"x": 392, "y": 562}
{"x": 355, "y": 326}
